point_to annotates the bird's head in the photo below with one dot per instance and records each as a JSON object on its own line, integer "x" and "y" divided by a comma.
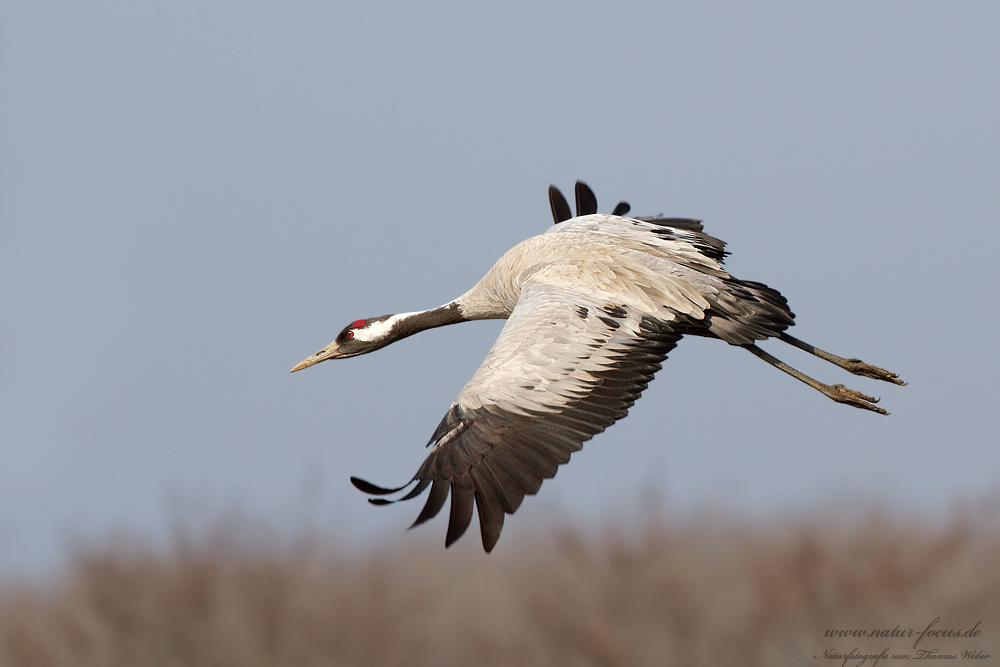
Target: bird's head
{"x": 358, "y": 337}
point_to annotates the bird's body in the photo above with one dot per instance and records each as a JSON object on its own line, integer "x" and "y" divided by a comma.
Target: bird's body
{"x": 604, "y": 255}
{"x": 593, "y": 306}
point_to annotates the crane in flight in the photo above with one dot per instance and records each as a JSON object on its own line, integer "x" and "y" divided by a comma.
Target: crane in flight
{"x": 593, "y": 306}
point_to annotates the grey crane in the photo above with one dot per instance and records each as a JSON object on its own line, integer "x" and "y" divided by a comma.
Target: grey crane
{"x": 593, "y": 306}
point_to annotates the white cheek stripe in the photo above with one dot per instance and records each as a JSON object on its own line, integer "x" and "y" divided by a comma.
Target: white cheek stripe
{"x": 378, "y": 329}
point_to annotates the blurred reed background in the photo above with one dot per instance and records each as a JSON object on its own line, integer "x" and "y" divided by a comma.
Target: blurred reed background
{"x": 706, "y": 590}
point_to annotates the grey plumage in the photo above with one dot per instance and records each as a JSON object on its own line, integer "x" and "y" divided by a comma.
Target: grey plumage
{"x": 593, "y": 306}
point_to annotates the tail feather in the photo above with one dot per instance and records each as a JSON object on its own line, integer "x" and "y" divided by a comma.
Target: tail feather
{"x": 748, "y": 312}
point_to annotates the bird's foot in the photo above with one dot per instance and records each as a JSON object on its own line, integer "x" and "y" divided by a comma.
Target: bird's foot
{"x": 859, "y": 367}
{"x": 842, "y": 394}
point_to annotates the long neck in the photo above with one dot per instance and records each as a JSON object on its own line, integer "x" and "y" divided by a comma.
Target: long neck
{"x": 407, "y": 324}
{"x": 482, "y": 302}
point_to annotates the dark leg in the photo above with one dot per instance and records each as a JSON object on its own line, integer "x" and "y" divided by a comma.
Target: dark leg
{"x": 855, "y": 366}
{"x": 837, "y": 392}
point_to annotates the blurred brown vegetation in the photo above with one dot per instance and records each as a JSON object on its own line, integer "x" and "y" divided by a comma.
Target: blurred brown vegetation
{"x": 707, "y": 591}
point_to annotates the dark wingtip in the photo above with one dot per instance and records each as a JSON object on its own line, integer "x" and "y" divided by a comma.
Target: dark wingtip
{"x": 586, "y": 200}
{"x": 622, "y": 208}
{"x": 435, "y": 501}
{"x": 559, "y": 205}
{"x": 461, "y": 512}
{"x": 380, "y": 501}
{"x": 490, "y": 525}
{"x": 374, "y": 490}
{"x": 417, "y": 490}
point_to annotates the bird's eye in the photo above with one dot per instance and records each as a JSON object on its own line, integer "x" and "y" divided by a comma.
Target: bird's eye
{"x": 350, "y": 334}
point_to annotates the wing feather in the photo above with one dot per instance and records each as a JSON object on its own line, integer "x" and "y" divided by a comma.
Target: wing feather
{"x": 586, "y": 201}
{"x": 488, "y": 504}
{"x": 559, "y": 205}
{"x": 462, "y": 495}
{"x": 435, "y": 501}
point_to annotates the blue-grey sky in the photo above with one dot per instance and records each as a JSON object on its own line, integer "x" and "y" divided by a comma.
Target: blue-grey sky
{"x": 195, "y": 196}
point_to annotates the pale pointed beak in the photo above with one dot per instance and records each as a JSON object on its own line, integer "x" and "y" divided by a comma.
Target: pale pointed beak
{"x": 330, "y": 352}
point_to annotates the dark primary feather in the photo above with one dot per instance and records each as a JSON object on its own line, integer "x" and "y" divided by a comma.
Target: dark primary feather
{"x": 373, "y": 489}
{"x": 559, "y": 205}
{"x": 677, "y": 223}
{"x": 586, "y": 201}
{"x": 622, "y": 208}
{"x": 586, "y": 204}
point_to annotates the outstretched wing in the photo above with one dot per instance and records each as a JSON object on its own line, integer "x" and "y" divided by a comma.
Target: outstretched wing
{"x": 566, "y": 366}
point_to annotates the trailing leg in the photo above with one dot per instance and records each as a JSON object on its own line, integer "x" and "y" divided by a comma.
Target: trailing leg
{"x": 837, "y": 392}
{"x": 855, "y": 366}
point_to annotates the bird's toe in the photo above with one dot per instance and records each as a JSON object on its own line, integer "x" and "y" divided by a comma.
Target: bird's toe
{"x": 842, "y": 394}
{"x": 858, "y": 367}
